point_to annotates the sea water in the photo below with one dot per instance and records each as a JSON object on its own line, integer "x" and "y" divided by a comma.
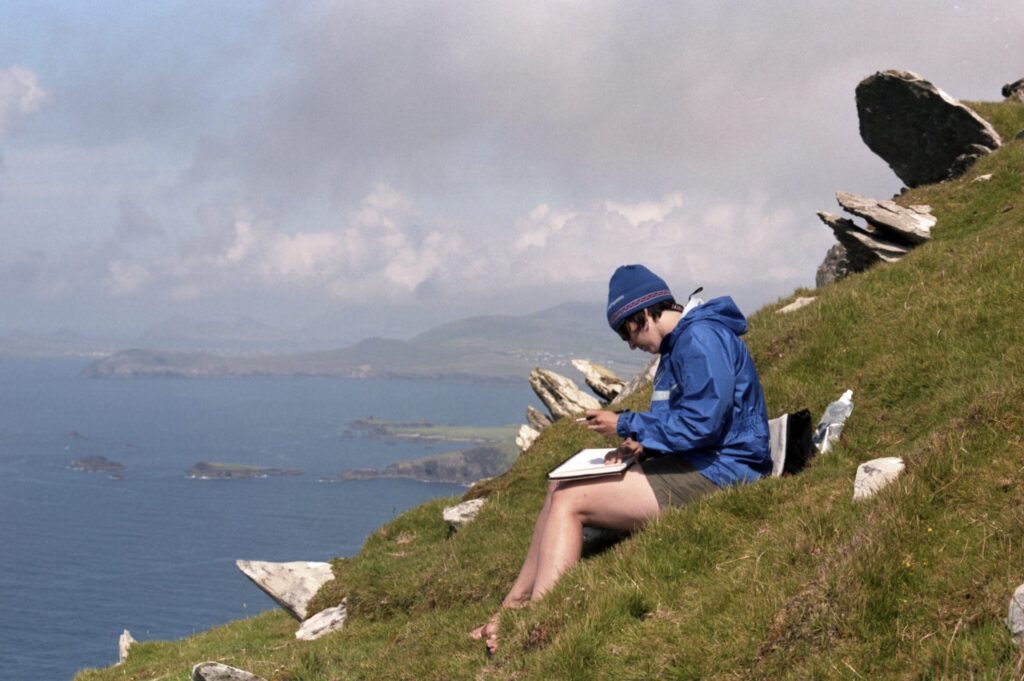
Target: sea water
{"x": 85, "y": 555}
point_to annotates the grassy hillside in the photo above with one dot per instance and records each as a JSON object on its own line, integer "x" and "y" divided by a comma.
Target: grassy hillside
{"x": 787, "y": 578}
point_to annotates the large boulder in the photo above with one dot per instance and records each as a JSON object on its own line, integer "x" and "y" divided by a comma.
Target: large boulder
{"x": 601, "y": 380}
{"x": 124, "y": 643}
{"x": 291, "y": 585}
{"x": 924, "y": 135}
{"x": 560, "y": 395}
{"x": 215, "y": 671}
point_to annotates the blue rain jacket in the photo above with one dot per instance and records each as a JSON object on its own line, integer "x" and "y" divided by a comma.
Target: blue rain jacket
{"x": 707, "y": 403}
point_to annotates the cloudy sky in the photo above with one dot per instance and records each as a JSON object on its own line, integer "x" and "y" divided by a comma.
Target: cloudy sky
{"x": 381, "y": 167}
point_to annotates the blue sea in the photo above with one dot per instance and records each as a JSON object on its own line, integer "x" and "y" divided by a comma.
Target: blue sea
{"x": 84, "y": 556}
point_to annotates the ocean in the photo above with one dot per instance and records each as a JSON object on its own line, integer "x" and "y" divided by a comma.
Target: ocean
{"x": 85, "y": 555}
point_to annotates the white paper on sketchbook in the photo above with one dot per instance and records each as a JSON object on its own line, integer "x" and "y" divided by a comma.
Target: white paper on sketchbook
{"x": 588, "y": 463}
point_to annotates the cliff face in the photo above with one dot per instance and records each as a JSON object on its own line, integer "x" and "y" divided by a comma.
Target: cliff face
{"x": 786, "y": 578}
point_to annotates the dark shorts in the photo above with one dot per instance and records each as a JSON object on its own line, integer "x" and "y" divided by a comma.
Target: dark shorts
{"x": 674, "y": 481}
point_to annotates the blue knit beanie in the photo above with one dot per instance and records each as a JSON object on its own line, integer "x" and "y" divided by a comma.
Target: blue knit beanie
{"x": 633, "y": 288}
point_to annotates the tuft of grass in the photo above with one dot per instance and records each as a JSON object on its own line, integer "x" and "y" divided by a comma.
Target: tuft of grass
{"x": 787, "y": 578}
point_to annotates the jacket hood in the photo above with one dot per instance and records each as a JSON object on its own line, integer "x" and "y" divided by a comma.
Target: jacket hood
{"x": 722, "y": 310}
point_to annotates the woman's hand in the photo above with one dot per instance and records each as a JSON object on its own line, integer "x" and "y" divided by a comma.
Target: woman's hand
{"x": 604, "y": 422}
{"x": 624, "y": 451}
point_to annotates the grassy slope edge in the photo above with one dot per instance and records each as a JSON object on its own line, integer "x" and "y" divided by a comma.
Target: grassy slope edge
{"x": 787, "y": 578}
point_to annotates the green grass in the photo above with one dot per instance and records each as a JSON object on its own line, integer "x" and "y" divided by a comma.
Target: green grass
{"x": 787, "y": 578}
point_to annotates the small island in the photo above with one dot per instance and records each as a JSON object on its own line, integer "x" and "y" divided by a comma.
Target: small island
{"x": 207, "y": 470}
{"x": 460, "y": 468}
{"x": 97, "y": 464}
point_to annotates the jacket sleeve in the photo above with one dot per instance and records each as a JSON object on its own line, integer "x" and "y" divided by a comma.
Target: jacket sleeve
{"x": 698, "y": 417}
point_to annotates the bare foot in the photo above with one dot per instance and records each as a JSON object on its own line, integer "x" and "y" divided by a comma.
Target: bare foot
{"x": 486, "y": 630}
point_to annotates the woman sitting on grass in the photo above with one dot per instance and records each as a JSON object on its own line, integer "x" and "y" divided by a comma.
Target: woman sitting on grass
{"x": 707, "y": 427}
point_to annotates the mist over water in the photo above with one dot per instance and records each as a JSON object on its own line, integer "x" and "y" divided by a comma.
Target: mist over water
{"x": 85, "y": 556}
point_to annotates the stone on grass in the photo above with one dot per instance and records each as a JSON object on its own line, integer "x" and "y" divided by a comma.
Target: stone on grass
{"x": 645, "y": 376}
{"x": 983, "y": 178}
{"x": 124, "y": 644}
{"x": 874, "y": 475}
{"x": 323, "y": 623}
{"x": 560, "y": 395}
{"x": 924, "y": 135}
{"x": 601, "y": 380}
{"x": 458, "y": 515}
{"x": 537, "y": 419}
{"x": 1015, "y": 619}
{"x": 291, "y": 585}
{"x": 525, "y": 437}
{"x": 215, "y": 671}
{"x": 797, "y": 304}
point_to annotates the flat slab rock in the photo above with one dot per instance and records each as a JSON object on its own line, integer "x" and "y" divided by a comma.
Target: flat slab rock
{"x": 323, "y": 623}
{"x": 912, "y": 225}
{"x": 291, "y": 585}
{"x": 801, "y": 302}
{"x": 460, "y": 514}
{"x": 560, "y": 394}
{"x": 875, "y": 475}
{"x": 924, "y": 135}
{"x": 600, "y": 379}
{"x": 215, "y": 671}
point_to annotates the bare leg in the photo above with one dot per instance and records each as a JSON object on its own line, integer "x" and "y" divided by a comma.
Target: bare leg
{"x": 625, "y": 503}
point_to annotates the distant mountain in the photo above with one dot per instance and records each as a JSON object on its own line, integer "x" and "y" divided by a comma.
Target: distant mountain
{"x": 244, "y": 334}
{"x": 502, "y": 347}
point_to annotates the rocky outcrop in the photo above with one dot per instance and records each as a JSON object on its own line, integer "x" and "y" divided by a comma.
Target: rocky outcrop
{"x": 889, "y": 233}
{"x": 834, "y": 267}
{"x": 460, "y": 514}
{"x": 323, "y": 623}
{"x": 215, "y": 671}
{"x": 601, "y": 380}
{"x": 96, "y": 464}
{"x": 1014, "y": 90}
{"x": 645, "y": 376}
{"x": 560, "y": 395}
{"x": 874, "y": 475}
{"x": 124, "y": 644}
{"x": 536, "y": 419}
{"x": 291, "y": 585}
{"x": 526, "y": 437}
{"x": 924, "y": 135}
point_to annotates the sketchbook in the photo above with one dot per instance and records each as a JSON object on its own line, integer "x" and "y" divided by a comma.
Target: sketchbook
{"x": 588, "y": 463}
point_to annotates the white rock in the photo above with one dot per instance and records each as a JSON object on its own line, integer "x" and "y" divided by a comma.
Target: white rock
{"x": 873, "y": 475}
{"x": 1015, "y": 620}
{"x": 291, "y": 585}
{"x": 323, "y": 623}
{"x": 645, "y": 376}
{"x": 800, "y": 302}
{"x": 460, "y": 514}
{"x": 536, "y": 418}
{"x": 525, "y": 437}
{"x": 215, "y": 671}
{"x": 560, "y": 395}
{"x": 983, "y": 178}
{"x": 124, "y": 643}
{"x": 601, "y": 380}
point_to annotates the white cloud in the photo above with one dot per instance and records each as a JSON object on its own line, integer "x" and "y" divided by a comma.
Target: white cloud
{"x": 20, "y": 97}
